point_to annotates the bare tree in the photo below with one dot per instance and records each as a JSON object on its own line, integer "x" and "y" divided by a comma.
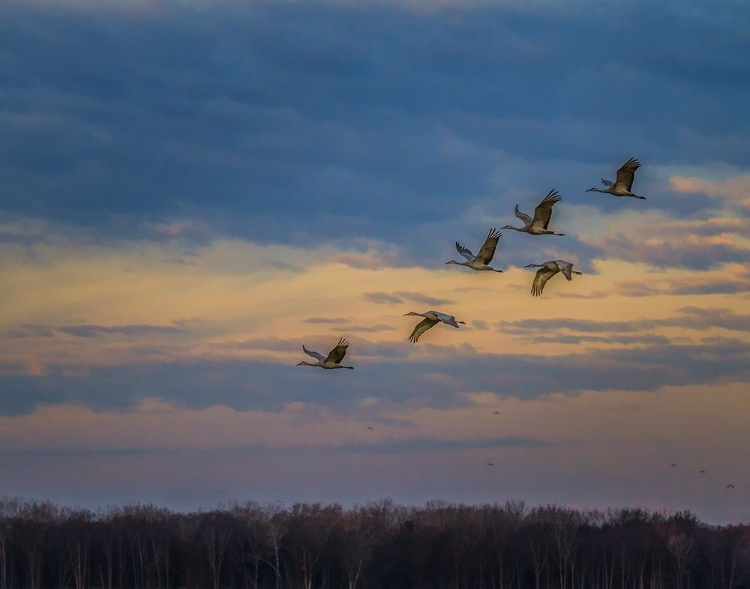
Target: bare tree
{"x": 309, "y": 528}
{"x": 682, "y": 548}
{"x": 35, "y": 520}
{"x": 77, "y": 541}
{"x": 9, "y": 508}
{"x": 216, "y": 531}
{"x": 278, "y": 526}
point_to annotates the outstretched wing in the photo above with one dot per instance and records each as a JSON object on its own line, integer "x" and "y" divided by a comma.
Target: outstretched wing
{"x": 313, "y": 354}
{"x": 541, "y": 278}
{"x": 420, "y": 328}
{"x": 523, "y": 216}
{"x": 626, "y": 173}
{"x": 465, "y": 252}
{"x": 543, "y": 210}
{"x": 447, "y": 319}
{"x": 487, "y": 252}
{"x": 566, "y": 268}
{"x": 337, "y": 354}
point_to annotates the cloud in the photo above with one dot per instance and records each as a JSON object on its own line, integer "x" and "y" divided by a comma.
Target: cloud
{"x": 381, "y": 298}
{"x": 699, "y": 243}
{"x": 398, "y": 297}
{"x": 370, "y": 328}
{"x": 128, "y": 330}
{"x": 331, "y": 320}
{"x": 424, "y": 444}
{"x": 734, "y": 189}
{"x": 28, "y": 331}
{"x": 729, "y": 279}
{"x": 419, "y": 297}
{"x": 175, "y": 140}
{"x": 569, "y": 331}
{"x": 426, "y": 377}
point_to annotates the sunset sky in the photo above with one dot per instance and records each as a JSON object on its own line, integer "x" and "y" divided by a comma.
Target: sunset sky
{"x": 190, "y": 191}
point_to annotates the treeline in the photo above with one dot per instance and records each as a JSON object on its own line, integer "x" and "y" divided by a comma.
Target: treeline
{"x": 379, "y": 545}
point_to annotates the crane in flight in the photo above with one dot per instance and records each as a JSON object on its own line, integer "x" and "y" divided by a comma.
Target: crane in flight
{"x": 431, "y": 319}
{"x": 330, "y": 362}
{"x": 542, "y": 214}
{"x": 623, "y": 184}
{"x": 481, "y": 261}
{"x": 547, "y": 271}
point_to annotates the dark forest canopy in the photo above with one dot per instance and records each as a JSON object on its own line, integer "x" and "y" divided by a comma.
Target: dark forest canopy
{"x": 378, "y": 545}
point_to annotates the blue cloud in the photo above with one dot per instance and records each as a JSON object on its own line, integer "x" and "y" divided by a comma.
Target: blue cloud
{"x": 366, "y": 121}
{"x": 380, "y": 373}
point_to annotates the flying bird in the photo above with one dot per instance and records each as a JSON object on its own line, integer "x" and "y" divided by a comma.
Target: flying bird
{"x": 489, "y": 464}
{"x": 730, "y": 486}
{"x": 496, "y": 412}
{"x": 484, "y": 257}
{"x": 704, "y": 471}
{"x": 330, "y": 362}
{"x": 539, "y": 224}
{"x": 624, "y": 182}
{"x": 673, "y": 464}
{"x": 431, "y": 318}
{"x": 369, "y": 427}
{"x": 547, "y": 271}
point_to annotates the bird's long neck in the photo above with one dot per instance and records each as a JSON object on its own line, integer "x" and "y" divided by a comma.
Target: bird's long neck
{"x": 458, "y": 263}
{"x": 521, "y": 229}
{"x": 577, "y": 272}
{"x": 595, "y": 189}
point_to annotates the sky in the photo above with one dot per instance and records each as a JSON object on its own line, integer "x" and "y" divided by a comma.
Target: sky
{"x": 190, "y": 191}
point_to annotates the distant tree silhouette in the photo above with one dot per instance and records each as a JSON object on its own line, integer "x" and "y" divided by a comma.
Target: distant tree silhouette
{"x": 379, "y": 545}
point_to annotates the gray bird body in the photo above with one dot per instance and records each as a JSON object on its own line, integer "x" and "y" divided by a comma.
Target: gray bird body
{"x": 539, "y": 225}
{"x": 623, "y": 184}
{"x": 481, "y": 261}
{"x": 547, "y": 271}
{"x": 330, "y": 362}
{"x": 431, "y": 318}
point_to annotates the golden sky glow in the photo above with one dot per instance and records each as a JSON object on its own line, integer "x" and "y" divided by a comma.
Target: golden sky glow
{"x": 178, "y": 219}
{"x": 225, "y": 301}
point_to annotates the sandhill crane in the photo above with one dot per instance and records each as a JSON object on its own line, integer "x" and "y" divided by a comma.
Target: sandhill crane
{"x": 484, "y": 257}
{"x": 730, "y": 486}
{"x": 489, "y": 464}
{"x": 624, "y": 182}
{"x": 547, "y": 271}
{"x": 538, "y": 225}
{"x": 370, "y": 428}
{"x": 431, "y": 318}
{"x": 704, "y": 472}
{"x": 330, "y": 362}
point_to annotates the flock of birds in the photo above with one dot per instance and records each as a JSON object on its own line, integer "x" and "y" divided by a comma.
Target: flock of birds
{"x": 702, "y": 471}
{"x": 536, "y": 225}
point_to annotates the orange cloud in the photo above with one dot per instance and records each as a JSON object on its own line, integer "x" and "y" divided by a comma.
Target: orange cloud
{"x": 735, "y": 189}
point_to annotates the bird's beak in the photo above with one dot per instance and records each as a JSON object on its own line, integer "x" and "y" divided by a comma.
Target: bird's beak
{"x": 590, "y": 190}
{"x": 300, "y": 364}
